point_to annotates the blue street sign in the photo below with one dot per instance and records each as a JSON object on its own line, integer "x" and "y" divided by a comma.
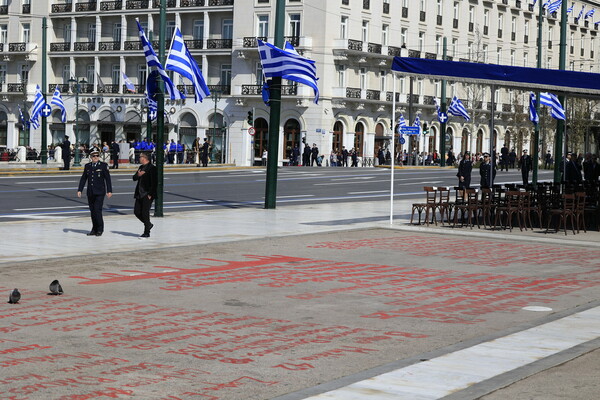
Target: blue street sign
{"x": 402, "y": 140}
{"x": 442, "y": 117}
{"x": 46, "y": 110}
{"x": 410, "y": 130}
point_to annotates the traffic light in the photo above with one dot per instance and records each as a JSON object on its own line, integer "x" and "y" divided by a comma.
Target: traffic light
{"x": 425, "y": 130}
{"x": 250, "y": 118}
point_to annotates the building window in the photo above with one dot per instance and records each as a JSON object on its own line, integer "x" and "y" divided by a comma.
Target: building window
{"x": 382, "y": 81}
{"x": 4, "y": 34}
{"x": 226, "y": 74}
{"x": 198, "y": 32}
{"x": 422, "y": 5}
{"x": 421, "y": 41}
{"x": 91, "y": 33}
{"x": 227, "y": 29}
{"x": 295, "y": 25}
{"x": 438, "y": 44}
{"x": 170, "y": 30}
{"x": 344, "y": 27}
{"x": 454, "y": 46}
{"x": 341, "y": 72}
{"x": 263, "y": 26}
{"x": 26, "y": 33}
{"x": 66, "y": 73}
{"x": 260, "y": 78}
{"x": 141, "y": 74}
{"x": 365, "y": 31}
{"x": 116, "y": 34}
{"x": 23, "y": 73}
{"x": 456, "y": 10}
{"x": 363, "y": 78}
{"x": 2, "y": 73}
{"x": 439, "y": 7}
{"x": 512, "y": 58}
{"x": 471, "y": 14}
{"x": 499, "y": 56}
{"x": 91, "y": 75}
{"x": 403, "y": 32}
{"x": 115, "y": 74}
{"x": 385, "y": 29}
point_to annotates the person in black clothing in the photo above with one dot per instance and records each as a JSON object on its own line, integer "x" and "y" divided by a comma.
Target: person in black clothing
{"x": 145, "y": 192}
{"x": 344, "y": 156}
{"x": 486, "y": 171}
{"x": 314, "y": 156}
{"x": 354, "y": 153}
{"x": 295, "y": 155}
{"x": 504, "y": 158}
{"x": 589, "y": 165}
{"x": 306, "y": 155}
{"x": 548, "y": 160}
{"x": 525, "y": 164}
{"x": 114, "y": 154}
{"x": 572, "y": 174}
{"x": 512, "y": 158}
{"x": 381, "y": 156}
{"x": 98, "y": 185}
{"x": 204, "y": 153}
{"x": 464, "y": 171}
{"x": 66, "y": 153}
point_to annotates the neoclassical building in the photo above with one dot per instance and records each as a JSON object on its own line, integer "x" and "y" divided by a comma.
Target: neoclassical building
{"x": 91, "y": 44}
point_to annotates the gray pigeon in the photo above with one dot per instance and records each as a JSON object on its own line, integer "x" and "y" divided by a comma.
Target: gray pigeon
{"x": 55, "y": 288}
{"x": 14, "y": 297}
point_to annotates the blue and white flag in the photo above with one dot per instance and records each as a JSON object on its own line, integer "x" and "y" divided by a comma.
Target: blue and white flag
{"x": 153, "y": 62}
{"x": 265, "y": 92}
{"x": 401, "y": 122}
{"x": 181, "y": 61}
{"x": 458, "y": 109}
{"x": 590, "y": 13}
{"x": 581, "y": 12}
{"x": 58, "y": 102}
{"x": 36, "y": 110}
{"x": 152, "y": 108}
{"x": 417, "y": 122}
{"x": 553, "y": 6}
{"x": 550, "y": 100}
{"x": 288, "y": 64}
{"x": 533, "y": 115}
{"x": 128, "y": 84}
{"x": 570, "y": 8}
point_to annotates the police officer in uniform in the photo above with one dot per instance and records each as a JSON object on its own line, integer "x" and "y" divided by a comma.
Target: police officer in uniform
{"x": 98, "y": 185}
{"x": 486, "y": 171}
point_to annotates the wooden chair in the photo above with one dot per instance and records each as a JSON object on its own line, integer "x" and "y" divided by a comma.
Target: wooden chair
{"x": 429, "y": 206}
{"x": 510, "y": 209}
{"x": 580, "y": 210}
{"x": 528, "y": 207}
{"x": 469, "y": 208}
{"x": 566, "y": 211}
{"x": 486, "y": 206}
{"x": 444, "y": 205}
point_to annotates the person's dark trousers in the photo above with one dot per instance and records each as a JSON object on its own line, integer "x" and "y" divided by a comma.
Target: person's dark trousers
{"x": 95, "y": 202}
{"x": 67, "y": 162}
{"x": 116, "y": 163}
{"x": 141, "y": 209}
{"x": 525, "y": 175}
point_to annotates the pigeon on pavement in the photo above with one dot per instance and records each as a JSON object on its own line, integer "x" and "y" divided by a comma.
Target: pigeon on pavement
{"x": 14, "y": 297}
{"x": 55, "y": 288}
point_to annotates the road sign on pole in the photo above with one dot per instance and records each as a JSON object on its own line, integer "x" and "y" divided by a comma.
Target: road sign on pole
{"x": 410, "y": 130}
{"x": 46, "y": 110}
{"x": 251, "y": 131}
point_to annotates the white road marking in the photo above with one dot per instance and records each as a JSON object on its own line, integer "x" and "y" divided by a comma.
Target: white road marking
{"x": 450, "y": 373}
{"x": 48, "y": 208}
{"x": 295, "y": 196}
{"x": 48, "y": 181}
{"x": 537, "y": 308}
{"x": 372, "y": 191}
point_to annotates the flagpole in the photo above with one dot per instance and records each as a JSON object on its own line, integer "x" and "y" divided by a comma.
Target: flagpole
{"x": 44, "y": 145}
{"x": 160, "y": 117}
{"x": 536, "y": 131}
{"x": 148, "y": 120}
{"x": 443, "y": 107}
{"x": 560, "y": 124}
{"x": 275, "y": 116}
{"x": 393, "y": 142}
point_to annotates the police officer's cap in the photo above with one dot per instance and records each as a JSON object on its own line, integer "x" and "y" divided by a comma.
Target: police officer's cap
{"x": 486, "y": 154}
{"x": 94, "y": 151}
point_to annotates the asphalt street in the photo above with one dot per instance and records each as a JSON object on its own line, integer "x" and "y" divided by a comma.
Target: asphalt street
{"x": 40, "y": 196}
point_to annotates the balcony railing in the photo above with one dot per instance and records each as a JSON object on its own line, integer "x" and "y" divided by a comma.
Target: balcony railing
{"x": 61, "y": 8}
{"x": 26, "y": 8}
{"x": 136, "y": 4}
{"x": 191, "y": 3}
{"x": 374, "y": 48}
{"x": 17, "y": 47}
{"x": 109, "y": 46}
{"x": 220, "y": 2}
{"x": 63, "y": 87}
{"x": 255, "y": 90}
{"x": 223, "y": 89}
{"x": 137, "y": 89}
{"x": 430, "y": 56}
{"x": 251, "y": 41}
{"x": 394, "y": 51}
{"x": 429, "y": 100}
{"x": 294, "y": 40}
{"x": 389, "y": 96}
{"x": 3, "y": 10}
{"x": 169, "y": 3}
{"x": 373, "y": 94}
{"x": 108, "y": 88}
{"x": 60, "y": 46}
{"x": 1, "y": 46}
{"x": 132, "y": 45}
{"x": 194, "y": 43}
{"x": 353, "y": 93}
{"x": 84, "y": 46}
{"x": 86, "y": 88}
{"x": 414, "y": 53}
{"x": 111, "y": 5}
{"x": 15, "y": 87}
{"x": 219, "y": 44}
{"x": 89, "y": 6}
{"x": 414, "y": 98}
{"x": 355, "y": 45}
{"x": 188, "y": 90}
{"x": 506, "y": 107}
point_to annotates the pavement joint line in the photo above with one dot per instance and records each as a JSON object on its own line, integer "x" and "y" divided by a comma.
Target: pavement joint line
{"x": 480, "y": 388}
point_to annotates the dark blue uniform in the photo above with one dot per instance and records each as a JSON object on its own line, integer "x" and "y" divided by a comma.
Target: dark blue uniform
{"x": 98, "y": 185}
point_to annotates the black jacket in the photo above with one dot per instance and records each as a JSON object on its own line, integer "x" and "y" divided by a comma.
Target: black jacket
{"x": 66, "y": 150}
{"x": 146, "y": 184}
{"x": 97, "y": 177}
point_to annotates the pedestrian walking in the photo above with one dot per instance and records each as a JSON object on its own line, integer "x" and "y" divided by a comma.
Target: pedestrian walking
{"x": 66, "y": 153}
{"x": 114, "y": 154}
{"x": 145, "y": 192}
{"x": 97, "y": 176}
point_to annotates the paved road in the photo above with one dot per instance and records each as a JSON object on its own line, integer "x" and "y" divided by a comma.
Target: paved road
{"x": 36, "y": 196}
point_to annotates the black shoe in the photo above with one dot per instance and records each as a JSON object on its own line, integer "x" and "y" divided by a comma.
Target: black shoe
{"x": 149, "y": 229}
{"x": 98, "y": 233}
{"x": 92, "y": 233}
{"x": 144, "y": 235}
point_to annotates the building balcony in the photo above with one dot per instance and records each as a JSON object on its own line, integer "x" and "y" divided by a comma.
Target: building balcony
{"x": 506, "y": 108}
{"x": 88, "y": 6}
{"x": 414, "y": 53}
{"x": 169, "y": 3}
{"x": 17, "y": 47}
{"x": 429, "y": 100}
{"x": 63, "y": 87}
{"x": 61, "y": 8}
{"x": 136, "y": 4}
{"x": 256, "y": 90}
{"x": 132, "y": 45}
{"x": 252, "y": 41}
{"x": 220, "y": 2}
{"x": 430, "y": 56}
{"x": 1, "y": 47}
{"x": 26, "y": 9}
{"x": 374, "y": 48}
{"x": 4, "y": 10}
{"x": 219, "y": 43}
{"x": 111, "y": 5}
{"x": 16, "y": 87}
{"x": 294, "y": 40}
{"x": 187, "y": 90}
{"x": 372, "y": 94}
{"x": 194, "y": 43}
{"x": 108, "y": 88}
{"x": 394, "y": 51}
{"x": 84, "y": 46}
{"x": 223, "y": 89}
{"x": 65, "y": 46}
{"x": 109, "y": 46}
{"x": 389, "y": 96}
{"x": 191, "y": 3}
{"x": 137, "y": 89}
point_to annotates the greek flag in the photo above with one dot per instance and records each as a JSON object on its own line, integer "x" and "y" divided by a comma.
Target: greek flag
{"x": 550, "y": 100}
{"x": 590, "y": 13}
{"x": 417, "y": 122}
{"x": 553, "y": 6}
{"x": 152, "y": 108}
{"x": 570, "y": 8}
{"x": 181, "y": 61}
{"x": 58, "y": 102}
{"x": 153, "y": 62}
{"x": 533, "y": 115}
{"x": 581, "y": 12}
{"x": 288, "y": 64}
{"x": 458, "y": 108}
{"x": 38, "y": 104}
{"x": 128, "y": 84}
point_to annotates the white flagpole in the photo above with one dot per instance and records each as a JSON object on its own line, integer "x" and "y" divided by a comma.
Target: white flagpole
{"x": 393, "y": 142}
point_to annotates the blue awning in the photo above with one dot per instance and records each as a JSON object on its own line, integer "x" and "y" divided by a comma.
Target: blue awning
{"x": 558, "y": 81}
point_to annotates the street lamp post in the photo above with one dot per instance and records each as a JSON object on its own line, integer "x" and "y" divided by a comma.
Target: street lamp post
{"x": 76, "y": 162}
{"x": 216, "y": 95}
